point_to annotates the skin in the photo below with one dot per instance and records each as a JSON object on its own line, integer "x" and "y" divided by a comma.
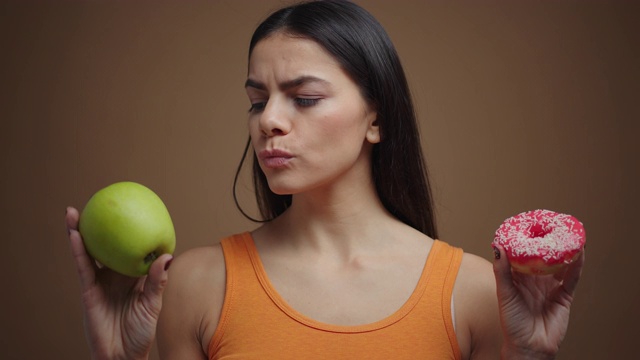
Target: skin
{"x": 120, "y": 312}
{"x": 337, "y": 234}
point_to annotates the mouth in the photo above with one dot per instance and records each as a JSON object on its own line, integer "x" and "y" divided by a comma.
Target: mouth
{"x": 275, "y": 158}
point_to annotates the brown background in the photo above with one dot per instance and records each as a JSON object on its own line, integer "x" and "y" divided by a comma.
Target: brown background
{"x": 523, "y": 105}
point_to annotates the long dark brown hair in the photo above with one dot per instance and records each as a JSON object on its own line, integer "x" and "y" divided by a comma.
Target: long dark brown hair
{"x": 363, "y": 48}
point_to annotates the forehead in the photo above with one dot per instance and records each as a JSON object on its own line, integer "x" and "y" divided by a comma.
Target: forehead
{"x": 281, "y": 54}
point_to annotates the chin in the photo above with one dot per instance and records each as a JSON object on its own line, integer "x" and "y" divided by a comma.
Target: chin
{"x": 288, "y": 186}
{"x": 292, "y": 184}
{"x": 280, "y": 192}
{"x": 281, "y": 189}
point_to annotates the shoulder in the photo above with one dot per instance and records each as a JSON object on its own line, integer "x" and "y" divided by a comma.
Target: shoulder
{"x": 476, "y": 305}
{"x": 192, "y": 300}
{"x": 197, "y": 278}
{"x": 202, "y": 263}
{"x": 476, "y": 275}
{"x": 475, "y": 291}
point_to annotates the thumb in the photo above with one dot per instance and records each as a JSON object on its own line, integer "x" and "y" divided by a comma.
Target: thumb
{"x": 502, "y": 272}
{"x": 157, "y": 279}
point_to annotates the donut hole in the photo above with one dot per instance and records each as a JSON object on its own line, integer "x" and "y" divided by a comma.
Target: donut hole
{"x": 539, "y": 230}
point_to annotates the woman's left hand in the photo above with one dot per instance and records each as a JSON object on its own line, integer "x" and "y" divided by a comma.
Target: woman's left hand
{"x": 534, "y": 309}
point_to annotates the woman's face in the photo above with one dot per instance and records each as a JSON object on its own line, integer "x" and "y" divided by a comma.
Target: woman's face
{"x": 309, "y": 124}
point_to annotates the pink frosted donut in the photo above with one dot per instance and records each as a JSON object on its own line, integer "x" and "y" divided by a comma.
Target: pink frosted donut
{"x": 541, "y": 241}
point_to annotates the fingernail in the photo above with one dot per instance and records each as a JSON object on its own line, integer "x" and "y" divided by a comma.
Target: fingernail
{"x": 496, "y": 253}
{"x": 166, "y": 266}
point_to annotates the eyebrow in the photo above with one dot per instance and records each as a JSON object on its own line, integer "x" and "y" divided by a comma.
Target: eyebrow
{"x": 287, "y": 84}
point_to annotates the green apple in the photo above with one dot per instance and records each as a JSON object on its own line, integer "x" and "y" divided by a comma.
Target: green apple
{"x": 125, "y": 227}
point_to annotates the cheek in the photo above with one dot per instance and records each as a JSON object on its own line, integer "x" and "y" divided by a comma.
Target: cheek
{"x": 344, "y": 118}
{"x": 336, "y": 138}
{"x": 346, "y": 129}
{"x": 254, "y": 131}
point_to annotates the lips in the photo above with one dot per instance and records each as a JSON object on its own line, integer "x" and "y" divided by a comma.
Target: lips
{"x": 275, "y": 158}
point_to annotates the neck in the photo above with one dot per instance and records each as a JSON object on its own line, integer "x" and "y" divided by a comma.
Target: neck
{"x": 335, "y": 219}
{"x": 340, "y": 219}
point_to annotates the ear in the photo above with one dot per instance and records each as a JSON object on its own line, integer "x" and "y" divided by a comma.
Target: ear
{"x": 373, "y": 131}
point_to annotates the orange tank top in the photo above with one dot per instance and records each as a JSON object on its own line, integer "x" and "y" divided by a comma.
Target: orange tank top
{"x": 256, "y": 323}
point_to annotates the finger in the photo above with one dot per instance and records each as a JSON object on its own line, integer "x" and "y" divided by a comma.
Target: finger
{"x": 157, "y": 281}
{"x": 71, "y": 218}
{"x": 501, "y": 266}
{"x": 573, "y": 274}
{"x": 84, "y": 264}
{"x": 502, "y": 272}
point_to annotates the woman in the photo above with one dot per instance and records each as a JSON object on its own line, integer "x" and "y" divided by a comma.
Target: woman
{"x": 346, "y": 265}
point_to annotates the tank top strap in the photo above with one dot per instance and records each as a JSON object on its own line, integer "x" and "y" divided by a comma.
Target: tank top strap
{"x": 238, "y": 268}
{"x": 442, "y": 267}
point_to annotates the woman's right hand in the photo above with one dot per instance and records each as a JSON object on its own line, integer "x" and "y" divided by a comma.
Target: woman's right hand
{"x": 120, "y": 312}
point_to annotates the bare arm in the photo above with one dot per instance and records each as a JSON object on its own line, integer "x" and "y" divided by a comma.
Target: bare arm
{"x": 476, "y": 305}
{"x": 192, "y": 304}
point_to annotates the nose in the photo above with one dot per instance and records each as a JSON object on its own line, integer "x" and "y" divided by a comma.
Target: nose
{"x": 274, "y": 119}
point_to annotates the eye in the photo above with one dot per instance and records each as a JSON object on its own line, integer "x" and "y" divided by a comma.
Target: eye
{"x": 306, "y": 102}
{"x": 257, "y": 107}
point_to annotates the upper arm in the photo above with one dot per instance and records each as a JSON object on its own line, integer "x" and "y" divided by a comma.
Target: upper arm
{"x": 192, "y": 302}
{"x": 476, "y": 304}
